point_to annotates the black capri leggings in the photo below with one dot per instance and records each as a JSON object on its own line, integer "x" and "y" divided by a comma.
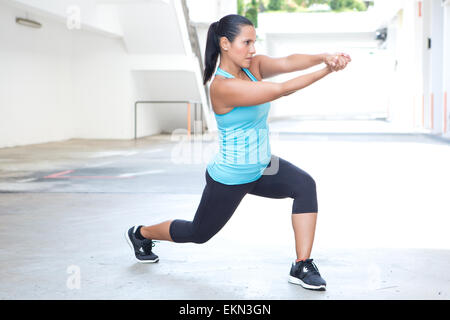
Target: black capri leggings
{"x": 219, "y": 201}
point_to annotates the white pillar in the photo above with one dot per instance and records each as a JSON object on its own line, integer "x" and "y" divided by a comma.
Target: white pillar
{"x": 403, "y": 41}
{"x": 446, "y": 68}
{"x": 418, "y": 64}
{"x": 426, "y": 56}
{"x": 437, "y": 60}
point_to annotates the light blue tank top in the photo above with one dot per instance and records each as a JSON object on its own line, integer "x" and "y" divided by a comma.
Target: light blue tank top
{"x": 244, "y": 148}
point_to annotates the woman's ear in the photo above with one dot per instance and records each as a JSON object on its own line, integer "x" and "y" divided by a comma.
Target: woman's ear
{"x": 224, "y": 43}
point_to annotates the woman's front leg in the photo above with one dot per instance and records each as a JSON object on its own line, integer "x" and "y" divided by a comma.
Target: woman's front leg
{"x": 304, "y": 225}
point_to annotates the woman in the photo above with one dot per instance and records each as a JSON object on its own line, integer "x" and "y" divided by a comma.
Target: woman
{"x": 244, "y": 164}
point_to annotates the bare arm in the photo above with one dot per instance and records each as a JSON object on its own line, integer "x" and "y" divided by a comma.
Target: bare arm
{"x": 296, "y": 62}
{"x": 270, "y": 67}
{"x": 301, "y": 82}
{"x": 237, "y": 92}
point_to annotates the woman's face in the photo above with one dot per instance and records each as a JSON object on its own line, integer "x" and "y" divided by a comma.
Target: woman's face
{"x": 242, "y": 48}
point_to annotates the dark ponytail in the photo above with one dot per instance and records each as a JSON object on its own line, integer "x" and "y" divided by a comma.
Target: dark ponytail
{"x": 229, "y": 27}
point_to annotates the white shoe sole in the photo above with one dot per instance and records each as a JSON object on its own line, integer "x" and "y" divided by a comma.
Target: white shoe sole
{"x": 295, "y": 280}
{"x": 127, "y": 238}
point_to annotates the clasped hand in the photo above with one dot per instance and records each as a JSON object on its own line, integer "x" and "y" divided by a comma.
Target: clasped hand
{"x": 337, "y": 61}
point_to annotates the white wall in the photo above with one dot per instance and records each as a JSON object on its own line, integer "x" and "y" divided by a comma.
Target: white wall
{"x": 422, "y": 75}
{"x": 103, "y": 90}
{"x": 35, "y": 79}
{"x": 437, "y": 61}
{"x": 405, "y": 43}
{"x": 210, "y": 10}
{"x": 164, "y": 117}
{"x": 360, "y": 91}
{"x": 58, "y": 84}
{"x": 446, "y": 68}
{"x": 152, "y": 27}
{"x": 93, "y": 15}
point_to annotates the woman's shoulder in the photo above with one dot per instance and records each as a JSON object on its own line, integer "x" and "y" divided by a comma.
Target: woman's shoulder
{"x": 254, "y": 67}
{"x": 218, "y": 108}
{"x": 219, "y": 79}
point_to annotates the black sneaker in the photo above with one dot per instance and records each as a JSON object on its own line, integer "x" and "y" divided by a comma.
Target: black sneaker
{"x": 306, "y": 274}
{"x": 142, "y": 249}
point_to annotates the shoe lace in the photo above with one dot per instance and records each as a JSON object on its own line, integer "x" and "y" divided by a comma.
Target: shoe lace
{"x": 311, "y": 266}
{"x": 147, "y": 245}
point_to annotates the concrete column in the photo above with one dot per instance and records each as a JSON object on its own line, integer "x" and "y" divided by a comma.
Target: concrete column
{"x": 404, "y": 41}
{"x": 426, "y": 63}
{"x": 418, "y": 52}
{"x": 446, "y": 70}
{"x": 437, "y": 60}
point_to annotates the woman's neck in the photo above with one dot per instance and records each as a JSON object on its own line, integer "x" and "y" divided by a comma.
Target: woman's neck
{"x": 234, "y": 70}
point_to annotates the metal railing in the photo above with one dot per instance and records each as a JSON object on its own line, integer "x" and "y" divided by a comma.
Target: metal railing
{"x": 188, "y": 102}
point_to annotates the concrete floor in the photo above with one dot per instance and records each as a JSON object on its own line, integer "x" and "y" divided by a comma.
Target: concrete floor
{"x": 382, "y": 230}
